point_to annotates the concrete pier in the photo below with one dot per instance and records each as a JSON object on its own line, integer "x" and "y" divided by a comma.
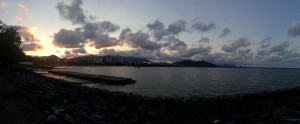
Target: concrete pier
{"x": 107, "y": 79}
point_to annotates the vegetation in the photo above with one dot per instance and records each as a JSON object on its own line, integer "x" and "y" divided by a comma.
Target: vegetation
{"x": 10, "y": 51}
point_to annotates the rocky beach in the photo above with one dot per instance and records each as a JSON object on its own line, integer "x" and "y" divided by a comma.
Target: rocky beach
{"x": 28, "y": 97}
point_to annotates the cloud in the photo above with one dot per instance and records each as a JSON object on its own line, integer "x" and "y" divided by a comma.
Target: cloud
{"x": 158, "y": 29}
{"x": 175, "y": 45}
{"x": 225, "y": 32}
{"x": 19, "y": 19}
{"x": 294, "y": 29}
{"x": 98, "y": 34}
{"x": 108, "y": 27}
{"x": 265, "y": 42}
{"x": 148, "y": 54}
{"x": 104, "y": 40}
{"x": 177, "y": 27}
{"x": 3, "y": 4}
{"x": 31, "y": 47}
{"x": 90, "y": 30}
{"x": 68, "y": 39}
{"x": 201, "y": 50}
{"x": 67, "y": 52}
{"x": 278, "y": 54}
{"x": 23, "y": 7}
{"x": 124, "y": 33}
{"x": 77, "y": 51}
{"x": 239, "y": 43}
{"x": 280, "y": 48}
{"x": 72, "y": 12}
{"x": 203, "y": 40}
{"x": 95, "y": 33}
{"x": 26, "y": 34}
{"x": 203, "y": 27}
{"x": 141, "y": 40}
{"x": 29, "y": 17}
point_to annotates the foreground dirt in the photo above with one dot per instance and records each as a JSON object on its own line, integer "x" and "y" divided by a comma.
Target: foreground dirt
{"x": 31, "y": 98}
{"x": 15, "y": 108}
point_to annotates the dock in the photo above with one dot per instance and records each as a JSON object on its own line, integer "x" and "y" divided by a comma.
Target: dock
{"x": 106, "y": 79}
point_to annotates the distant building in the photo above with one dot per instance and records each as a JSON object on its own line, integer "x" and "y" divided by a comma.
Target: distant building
{"x": 108, "y": 59}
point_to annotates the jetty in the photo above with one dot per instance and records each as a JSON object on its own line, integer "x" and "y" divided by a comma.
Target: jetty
{"x": 102, "y": 78}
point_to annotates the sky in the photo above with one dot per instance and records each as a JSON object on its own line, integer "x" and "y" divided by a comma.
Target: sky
{"x": 251, "y": 33}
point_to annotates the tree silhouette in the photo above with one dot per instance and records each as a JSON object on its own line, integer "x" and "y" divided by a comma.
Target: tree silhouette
{"x": 10, "y": 41}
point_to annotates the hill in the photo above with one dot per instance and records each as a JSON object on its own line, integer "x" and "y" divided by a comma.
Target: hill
{"x": 190, "y": 63}
{"x": 127, "y": 59}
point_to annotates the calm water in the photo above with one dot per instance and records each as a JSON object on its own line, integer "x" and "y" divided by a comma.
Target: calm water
{"x": 185, "y": 82}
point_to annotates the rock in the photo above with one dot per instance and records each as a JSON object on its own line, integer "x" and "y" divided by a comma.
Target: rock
{"x": 83, "y": 103}
{"x": 83, "y": 114}
{"x": 216, "y": 121}
{"x": 151, "y": 113}
{"x": 265, "y": 115}
{"x": 68, "y": 118}
{"x": 51, "y": 119}
{"x": 66, "y": 101}
{"x": 97, "y": 116}
{"x": 292, "y": 120}
{"x": 141, "y": 108}
{"x": 94, "y": 121}
{"x": 55, "y": 110}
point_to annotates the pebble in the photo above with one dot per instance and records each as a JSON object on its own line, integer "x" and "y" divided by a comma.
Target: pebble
{"x": 68, "y": 118}
{"x": 51, "y": 119}
{"x": 55, "y": 110}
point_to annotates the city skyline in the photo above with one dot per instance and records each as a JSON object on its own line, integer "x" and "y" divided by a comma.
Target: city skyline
{"x": 247, "y": 33}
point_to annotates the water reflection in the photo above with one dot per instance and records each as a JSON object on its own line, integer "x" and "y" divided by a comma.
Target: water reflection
{"x": 183, "y": 82}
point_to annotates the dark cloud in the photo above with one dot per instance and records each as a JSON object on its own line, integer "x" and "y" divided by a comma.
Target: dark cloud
{"x": 67, "y": 52}
{"x": 203, "y": 40}
{"x": 294, "y": 29}
{"x": 177, "y": 27}
{"x": 26, "y": 34}
{"x": 280, "y": 48}
{"x": 141, "y": 40}
{"x": 201, "y": 50}
{"x": 95, "y": 33}
{"x": 124, "y": 33}
{"x": 98, "y": 34}
{"x": 72, "y": 12}
{"x": 203, "y": 27}
{"x": 31, "y": 46}
{"x": 278, "y": 55}
{"x": 148, "y": 54}
{"x": 104, "y": 40}
{"x": 68, "y": 39}
{"x": 239, "y": 43}
{"x": 225, "y": 32}
{"x": 107, "y": 27}
{"x": 90, "y": 30}
{"x": 265, "y": 42}
{"x": 158, "y": 29}
{"x": 174, "y": 44}
{"x": 78, "y": 51}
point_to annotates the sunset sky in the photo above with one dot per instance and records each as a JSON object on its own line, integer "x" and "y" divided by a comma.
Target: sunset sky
{"x": 247, "y": 33}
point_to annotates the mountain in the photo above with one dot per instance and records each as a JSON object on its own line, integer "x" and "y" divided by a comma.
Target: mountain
{"x": 190, "y": 63}
{"x": 228, "y": 66}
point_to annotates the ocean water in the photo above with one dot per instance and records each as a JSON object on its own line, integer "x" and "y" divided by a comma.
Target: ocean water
{"x": 190, "y": 81}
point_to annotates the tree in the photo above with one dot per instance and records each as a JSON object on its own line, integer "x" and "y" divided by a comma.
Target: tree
{"x": 52, "y": 60}
{"x": 10, "y": 41}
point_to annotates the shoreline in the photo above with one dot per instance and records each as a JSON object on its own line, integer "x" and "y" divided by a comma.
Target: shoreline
{"x": 72, "y": 103}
